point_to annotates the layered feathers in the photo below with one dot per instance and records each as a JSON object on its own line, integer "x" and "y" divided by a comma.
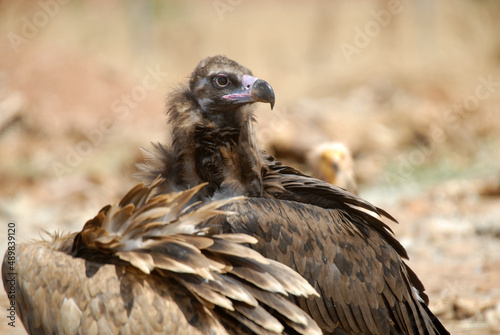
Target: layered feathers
{"x": 151, "y": 265}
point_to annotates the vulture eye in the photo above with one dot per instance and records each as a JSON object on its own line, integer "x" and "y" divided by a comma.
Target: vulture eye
{"x": 221, "y": 80}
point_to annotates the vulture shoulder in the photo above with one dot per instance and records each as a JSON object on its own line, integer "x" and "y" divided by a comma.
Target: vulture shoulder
{"x": 364, "y": 285}
{"x": 150, "y": 265}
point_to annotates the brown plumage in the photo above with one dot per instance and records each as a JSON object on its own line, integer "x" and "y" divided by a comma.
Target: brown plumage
{"x": 333, "y": 238}
{"x": 150, "y": 265}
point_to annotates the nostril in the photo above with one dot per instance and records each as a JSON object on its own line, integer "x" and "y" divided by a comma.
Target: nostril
{"x": 247, "y": 82}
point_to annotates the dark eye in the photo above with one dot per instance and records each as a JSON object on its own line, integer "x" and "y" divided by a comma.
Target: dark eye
{"x": 221, "y": 80}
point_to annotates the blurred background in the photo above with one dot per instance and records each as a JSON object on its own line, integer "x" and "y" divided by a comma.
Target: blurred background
{"x": 410, "y": 87}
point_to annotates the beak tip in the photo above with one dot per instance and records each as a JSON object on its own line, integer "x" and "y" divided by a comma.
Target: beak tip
{"x": 263, "y": 92}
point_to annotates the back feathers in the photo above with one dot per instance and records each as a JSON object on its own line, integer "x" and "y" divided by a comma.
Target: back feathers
{"x": 159, "y": 252}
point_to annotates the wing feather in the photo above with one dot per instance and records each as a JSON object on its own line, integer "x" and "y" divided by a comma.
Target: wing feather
{"x": 359, "y": 273}
{"x": 151, "y": 264}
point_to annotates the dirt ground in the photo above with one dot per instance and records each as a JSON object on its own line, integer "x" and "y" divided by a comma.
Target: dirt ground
{"x": 411, "y": 87}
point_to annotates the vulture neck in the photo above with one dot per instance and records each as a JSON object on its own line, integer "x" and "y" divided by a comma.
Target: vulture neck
{"x": 218, "y": 148}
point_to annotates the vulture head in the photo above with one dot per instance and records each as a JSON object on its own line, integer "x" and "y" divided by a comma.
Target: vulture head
{"x": 333, "y": 163}
{"x": 213, "y": 139}
{"x": 220, "y": 84}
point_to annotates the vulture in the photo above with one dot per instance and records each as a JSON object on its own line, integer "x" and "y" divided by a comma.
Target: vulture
{"x": 340, "y": 243}
{"x": 332, "y": 162}
{"x": 152, "y": 265}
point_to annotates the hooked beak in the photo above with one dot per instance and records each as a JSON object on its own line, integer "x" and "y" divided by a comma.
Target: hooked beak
{"x": 252, "y": 90}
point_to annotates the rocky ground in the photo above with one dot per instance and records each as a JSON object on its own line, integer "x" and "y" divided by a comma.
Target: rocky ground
{"x": 418, "y": 107}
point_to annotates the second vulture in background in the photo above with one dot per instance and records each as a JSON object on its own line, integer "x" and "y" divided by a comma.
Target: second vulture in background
{"x": 334, "y": 239}
{"x": 332, "y": 162}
